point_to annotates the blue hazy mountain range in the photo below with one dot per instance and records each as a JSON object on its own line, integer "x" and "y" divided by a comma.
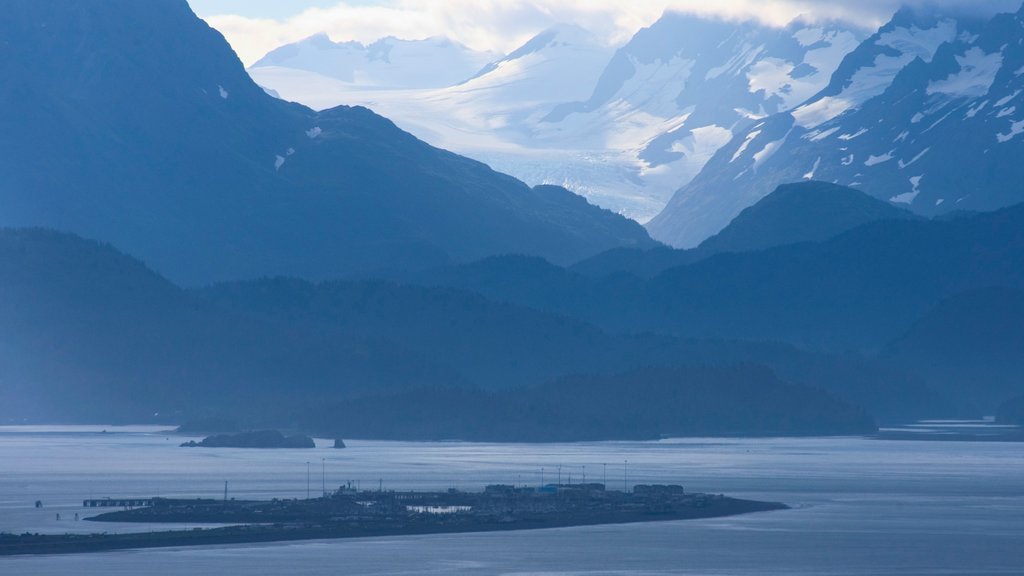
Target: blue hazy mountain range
{"x": 498, "y": 347}
{"x": 90, "y": 334}
{"x": 807, "y": 211}
{"x": 483, "y": 309}
{"x": 135, "y": 123}
{"x": 925, "y": 114}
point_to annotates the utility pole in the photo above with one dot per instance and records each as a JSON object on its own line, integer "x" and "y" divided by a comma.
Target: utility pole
{"x": 625, "y": 476}
{"x": 307, "y": 480}
{"x": 225, "y": 490}
{"x": 605, "y": 480}
{"x": 323, "y": 475}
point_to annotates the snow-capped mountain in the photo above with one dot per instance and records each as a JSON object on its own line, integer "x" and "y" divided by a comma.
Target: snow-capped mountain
{"x": 675, "y": 93}
{"x": 624, "y": 128}
{"x": 387, "y": 63}
{"x": 923, "y": 114}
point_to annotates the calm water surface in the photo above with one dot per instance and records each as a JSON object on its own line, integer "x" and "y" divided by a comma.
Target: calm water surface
{"x": 860, "y": 506}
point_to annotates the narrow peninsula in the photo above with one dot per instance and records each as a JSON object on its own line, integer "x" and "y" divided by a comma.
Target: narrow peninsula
{"x": 351, "y": 513}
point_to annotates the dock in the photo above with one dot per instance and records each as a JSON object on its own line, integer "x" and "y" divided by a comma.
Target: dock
{"x": 118, "y": 503}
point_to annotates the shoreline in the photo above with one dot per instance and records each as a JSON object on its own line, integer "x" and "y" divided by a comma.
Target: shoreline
{"x": 39, "y": 544}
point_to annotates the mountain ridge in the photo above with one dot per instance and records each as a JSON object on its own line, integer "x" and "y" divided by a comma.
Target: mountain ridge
{"x": 152, "y": 136}
{"x": 921, "y": 115}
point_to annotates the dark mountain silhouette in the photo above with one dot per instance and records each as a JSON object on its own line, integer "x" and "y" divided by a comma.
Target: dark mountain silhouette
{"x": 801, "y": 212}
{"x": 857, "y": 291}
{"x": 90, "y": 334}
{"x": 793, "y": 213}
{"x": 1011, "y": 412}
{"x": 642, "y": 263}
{"x": 503, "y": 346}
{"x": 135, "y": 123}
{"x": 643, "y": 404}
{"x": 492, "y": 344}
{"x": 970, "y": 347}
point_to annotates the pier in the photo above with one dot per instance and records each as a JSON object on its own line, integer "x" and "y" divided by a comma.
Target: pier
{"x": 117, "y": 503}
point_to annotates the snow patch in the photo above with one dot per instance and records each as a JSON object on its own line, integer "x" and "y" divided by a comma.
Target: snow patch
{"x": 914, "y": 159}
{"x": 939, "y": 121}
{"x": 821, "y": 111}
{"x": 808, "y": 36}
{"x": 968, "y": 38}
{"x": 750, "y": 114}
{"x": 1015, "y": 129}
{"x": 902, "y": 136}
{"x": 746, "y": 143}
{"x": 818, "y": 136}
{"x": 977, "y": 73}
{"x": 972, "y": 112}
{"x": 908, "y": 197}
{"x": 870, "y": 81}
{"x": 278, "y": 162}
{"x": 940, "y": 201}
{"x": 917, "y": 118}
{"x": 743, "y": 58}
{"x": 810, "y": 175}
{"x": 847, "y": 160}
{"x": 1006, "y": 100}
{"x": 314, "y": 132}
{"x": 774, "y": 77}
{"x": 769, "y": 150}
{"x": 856, "y": 134}
{"x": 1006, "y": 112}
{"x": 223, "y": 93}
{"x": 873, "y": 160}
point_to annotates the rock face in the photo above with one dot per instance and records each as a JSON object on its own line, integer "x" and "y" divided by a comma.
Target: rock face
{"x": 926, "y": 114}
{"x": 134, "y": 123}
{"x": 258, "y": 439}
{"x": 339, "y": 443}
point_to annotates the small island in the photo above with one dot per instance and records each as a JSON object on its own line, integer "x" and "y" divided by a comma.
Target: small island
{"x": 258, "y": 439}
{"x": 351, "y": 513}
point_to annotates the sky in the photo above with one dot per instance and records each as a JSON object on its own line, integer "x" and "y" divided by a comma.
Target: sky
{"x": 255, "y": 27}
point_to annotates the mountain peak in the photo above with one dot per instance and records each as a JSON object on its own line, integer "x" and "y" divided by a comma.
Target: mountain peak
{"x": 801, "y": 212}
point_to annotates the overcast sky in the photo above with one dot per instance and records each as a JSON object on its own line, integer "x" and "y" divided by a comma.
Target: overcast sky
{"x": 254, "y": 27}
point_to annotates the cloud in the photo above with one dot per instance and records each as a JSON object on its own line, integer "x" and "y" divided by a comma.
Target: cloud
{"x": 503, "y": 25}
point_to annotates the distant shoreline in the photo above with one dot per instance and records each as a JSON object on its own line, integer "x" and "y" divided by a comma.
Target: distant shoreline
{"x": 38, "y": 544}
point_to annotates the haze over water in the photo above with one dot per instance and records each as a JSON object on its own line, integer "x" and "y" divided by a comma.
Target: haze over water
{"x": 860, "y": 506}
